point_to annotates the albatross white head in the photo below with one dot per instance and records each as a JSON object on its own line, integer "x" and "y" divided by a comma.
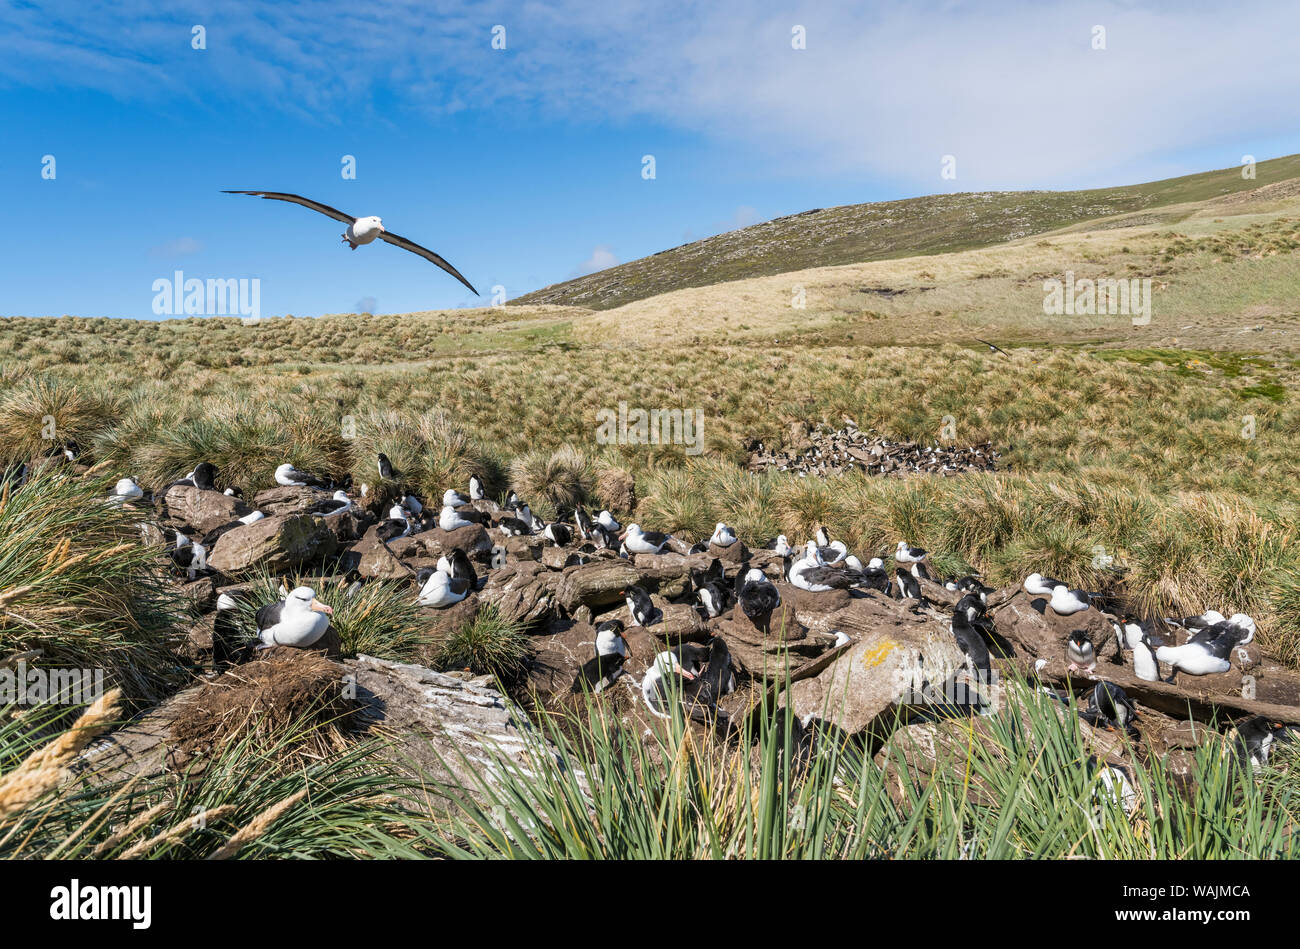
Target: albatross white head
{"x": 303, "y": 600}
{"x": 723, "y": 535}
{"x": 667, "y": 663}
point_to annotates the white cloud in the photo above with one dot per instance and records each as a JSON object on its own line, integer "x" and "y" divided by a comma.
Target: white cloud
{"x": 602, "y": 257}
{"x": 366, "y": 305}
{"x": 177, "y": 247}
{"x": 1016, "y": 93}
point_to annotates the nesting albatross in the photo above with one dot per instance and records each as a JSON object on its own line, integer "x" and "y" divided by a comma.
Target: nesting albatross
{"x": 362, "y": 230}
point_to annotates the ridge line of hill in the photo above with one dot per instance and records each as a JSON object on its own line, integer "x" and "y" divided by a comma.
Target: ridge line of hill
{"x": 883, "y": 230}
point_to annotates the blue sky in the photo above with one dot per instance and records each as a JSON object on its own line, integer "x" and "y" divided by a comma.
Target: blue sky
{"x": 522, "y": 166}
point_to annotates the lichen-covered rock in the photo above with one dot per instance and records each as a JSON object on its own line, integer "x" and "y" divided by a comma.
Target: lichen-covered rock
{"x": 596, "y": 585}
{"x": 284, "y": 542}
{"x": 524, "y": 592}
{"x": 289, "y": 500}
{"x": 447, "y": 728}
{"x": 897, "y": 658}
{"x": 201, "y": 511}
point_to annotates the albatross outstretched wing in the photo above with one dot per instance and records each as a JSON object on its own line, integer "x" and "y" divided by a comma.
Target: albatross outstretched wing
{"x": 427, "y": 254}
{"x": 993, "y": 348}
{"x": 299, "y": 199}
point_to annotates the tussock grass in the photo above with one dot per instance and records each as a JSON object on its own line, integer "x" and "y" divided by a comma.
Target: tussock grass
{"x": 40, "y": 414}
{"x": 1026, "y": 791}
{"x": 1189, "y": 552}
{"x": 78, "y": 584}
{"x": 1098, "y": 451}
{"x": 44, "y": 769}
{"x": 489, "y": 644}
{"x": 553, "y": 480}
{"x": 240, "y": 803}
{"x": 429, "y": 451}
{"x": 245, "y": 441}
{"x": 381, "y": 619}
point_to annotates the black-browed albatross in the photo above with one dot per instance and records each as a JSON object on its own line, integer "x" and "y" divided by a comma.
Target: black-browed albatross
{"x": 361, "y": 230}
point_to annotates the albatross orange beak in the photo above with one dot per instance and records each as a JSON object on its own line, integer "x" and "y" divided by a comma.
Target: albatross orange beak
{"x": 320, "y": 607}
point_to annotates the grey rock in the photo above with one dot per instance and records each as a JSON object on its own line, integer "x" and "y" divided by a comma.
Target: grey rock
{"x": 283, "y": 542}
{"x": 200, "y": 510}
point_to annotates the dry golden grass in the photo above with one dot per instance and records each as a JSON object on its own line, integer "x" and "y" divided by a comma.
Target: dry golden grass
{"x": 47, "y": 768}
{"x": 258, "y": 826}
{"x": 997, "y": 292}
{"x": 559, "y": 479}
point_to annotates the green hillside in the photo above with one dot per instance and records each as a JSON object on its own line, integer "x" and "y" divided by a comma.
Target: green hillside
{"x": 883, "y": 230}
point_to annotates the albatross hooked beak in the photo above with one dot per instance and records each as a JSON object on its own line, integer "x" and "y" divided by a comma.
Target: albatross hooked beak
{"x": 319, "y": 607}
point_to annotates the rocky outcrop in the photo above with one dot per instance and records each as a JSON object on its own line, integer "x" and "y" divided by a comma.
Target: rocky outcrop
{"x": 201, "y": 511}
{"x": 283, "y": 542}
{"x": 673, "y": 622}
{"x": 528, "y": 547}
{"x": 375, "y": 560}
{"x": 824, "y": 452}
{"x": 775, "y": 651}
{"x": 1037, "y": 632}
{"x": 448, "y": 729}
{"x": 473, "y": 540}
{"x": 896, "y": 658}
{"x": 290, "y": 500}
{"x": 595, "y": 585}
{"x": 1253, "y": 686}
{"x": 523, "y": 592}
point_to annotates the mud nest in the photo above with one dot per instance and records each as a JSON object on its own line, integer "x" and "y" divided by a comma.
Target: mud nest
{"x": 290, "y": 697}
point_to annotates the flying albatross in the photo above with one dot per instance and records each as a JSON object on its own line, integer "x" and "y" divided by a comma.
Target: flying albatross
{"x": 362, "y": 230}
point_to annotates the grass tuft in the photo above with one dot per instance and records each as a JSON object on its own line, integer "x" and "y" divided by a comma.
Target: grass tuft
{"x": 77, "y": 584}
{"x": 487, "y": 645}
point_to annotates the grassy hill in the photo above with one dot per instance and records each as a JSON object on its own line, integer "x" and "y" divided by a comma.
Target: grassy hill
{"x": 885, "y": 230}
